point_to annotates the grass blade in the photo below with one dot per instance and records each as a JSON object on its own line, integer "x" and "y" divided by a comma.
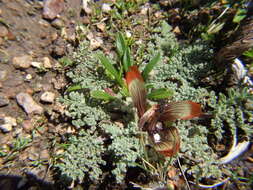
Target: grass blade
{"x": 160, "y": 94}
{"x": 74, "y": 88}
{"x": 110, "y": 68}
{"x": 127, "y": 60}
{"x": 151, "y": 65}
{"x": 120, "y": 45}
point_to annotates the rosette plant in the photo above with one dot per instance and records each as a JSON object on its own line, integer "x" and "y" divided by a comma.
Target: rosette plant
{"x": 156, "y": 119}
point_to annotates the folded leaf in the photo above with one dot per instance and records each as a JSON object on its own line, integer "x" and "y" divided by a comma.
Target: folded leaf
{"x": 98, "y": 94}
{"x": 151, "y": 65}
{"x": 120, "y": 45}
{"x": 74, "y": 88}
{"x": 180, "y": 110}
{"x": 149, "y": 119}
{"x": 127, "y": 60}
{"x": 161, "y": 93}
{"x": 136, "y": 88}
{"x": 110, "y": 68}
{"x": 166, "y": 140}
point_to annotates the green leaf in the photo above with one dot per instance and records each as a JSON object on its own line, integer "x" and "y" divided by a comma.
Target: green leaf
{"x": 240, "y": 15}
{"x": 161, "y": 93}
{"x": 110, "y": 68}
{"x": 151, "y": 65}
{"x": 166, "y": 28}
{"x": 98, "y": 94}
{"x": 120, "y": 45}
{"x": 249, "y": 53}
{"x": 127, "y": 60}
{"x": 74, "y": 88}
{"x": 65, "y": 61}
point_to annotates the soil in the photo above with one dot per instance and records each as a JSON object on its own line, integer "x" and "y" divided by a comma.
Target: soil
{"x": 32, "y": 35}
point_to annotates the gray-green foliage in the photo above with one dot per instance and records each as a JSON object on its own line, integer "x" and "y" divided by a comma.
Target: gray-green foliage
{"x": 125, "y": 147}
{"x": 231, "y": 112}
{"x": 181, "y": 70}
{"x": 83, "y": 156}
{"x": 82, "y": 110}
{"x": 88, "y": 72}
{"x": 93, "y": 116}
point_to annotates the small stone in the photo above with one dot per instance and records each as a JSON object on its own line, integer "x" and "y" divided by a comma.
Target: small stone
{"x": 106, "y": 7}
{"x": 177, "y": 30}
{"x": 144, "y": 11}
{"x": 44, "y": 23}
{"x": 9, "y": 122}
{"x": 4, "y": 101}
{"x": 28, "y": 77}
{"x": 85, "y": 7}
{"x": 44, "y": 155}
{"x": 3, "y": 31}
{"x": 70, "y": 130}
{"x": 47, "y": 63}
{"x": 158, "y": 14}
{"x": 86, "y": 20}
{"x": 27, "y": 125}
{"x": 1, "y": 41}
{"x": 22, "y": 62}
{"x": 58, "y": 23}
{"x": 18, "y": 131}
{"x": 52, "y": 8}
{"x": 95, "y": 43}
{"x": 54, "y": 36}
{"x": 3, "y": 75}
{"x": 11, "y": 36}
{"x": 29, "y": 105}
{"x": 47, "y": 97}
{"x": 101, "y": 26}
{"x": 33, "y": 153}
{"x": 37, "y": 65}
{"x": 59, "y": 152}
{"x": 59, "y": 82}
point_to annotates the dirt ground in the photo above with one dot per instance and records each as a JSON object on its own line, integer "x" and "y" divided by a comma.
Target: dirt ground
{"x": 25, "y": 36}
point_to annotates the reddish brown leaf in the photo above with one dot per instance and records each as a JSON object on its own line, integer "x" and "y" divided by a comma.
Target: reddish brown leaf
{"x": 180, "y": 110}
{"x": 166, "y": 140}
{"x": 136, "y": 88}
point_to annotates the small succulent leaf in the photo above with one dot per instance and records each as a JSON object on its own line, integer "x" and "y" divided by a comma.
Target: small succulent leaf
{"x": 120, "y": 45}
{"x": 151, "y": 65}
{"x": 161, "y": 93}
{"x": 127, "y": 60}
{"x": 98, "y": 94}
{"x": 110, "y": 68}
{"x": 180, "y": 110}
{"x": 74, "y": 88}
{"x": 136, "y": 88}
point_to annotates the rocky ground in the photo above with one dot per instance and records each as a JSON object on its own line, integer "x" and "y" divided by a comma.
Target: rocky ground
{"x": 33, "y": 36}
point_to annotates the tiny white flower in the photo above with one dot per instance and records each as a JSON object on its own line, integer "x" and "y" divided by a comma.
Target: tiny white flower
{"x": 157, "y": 138}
